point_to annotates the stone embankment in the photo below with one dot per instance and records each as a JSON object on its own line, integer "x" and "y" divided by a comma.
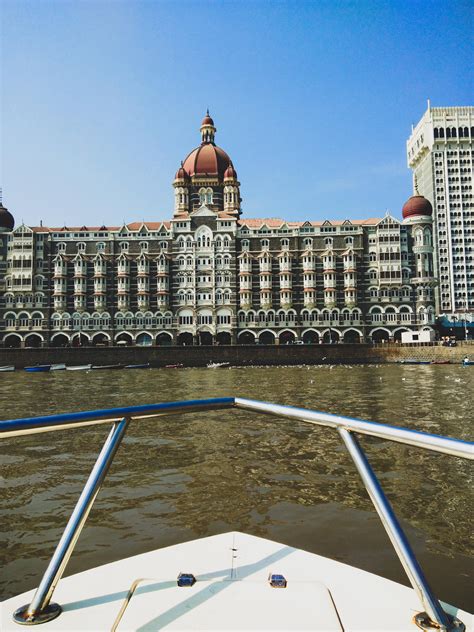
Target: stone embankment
{"x": 238, "y": 355}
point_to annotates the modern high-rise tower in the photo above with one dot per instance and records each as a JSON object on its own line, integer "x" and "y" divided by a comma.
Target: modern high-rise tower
{"x": 440, "y": 153}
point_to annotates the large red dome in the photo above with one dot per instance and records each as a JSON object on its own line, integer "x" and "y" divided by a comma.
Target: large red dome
{"x": 208, "y": 159}
{"x": 417, "y": 205}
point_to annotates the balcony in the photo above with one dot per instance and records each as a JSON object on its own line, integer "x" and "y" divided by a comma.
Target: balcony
{"x": 423, "y": 278}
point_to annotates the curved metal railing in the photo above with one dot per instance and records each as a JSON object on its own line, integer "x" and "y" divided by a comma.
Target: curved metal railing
{"x": 42, "y": 609}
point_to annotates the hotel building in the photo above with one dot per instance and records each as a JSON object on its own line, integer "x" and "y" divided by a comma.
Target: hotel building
{"x": 440, "y": 153}
{"x": 211, "y": 276}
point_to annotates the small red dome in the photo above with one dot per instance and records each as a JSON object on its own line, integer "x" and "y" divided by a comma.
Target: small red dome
{"x": 181, "y": 174}
{"x": 207, "y": 120}
{"x": 230, "y": 173}
{"x": 417, "y": 205}
{"x": 208, "y": 159}
{"x": 6, "y": 218}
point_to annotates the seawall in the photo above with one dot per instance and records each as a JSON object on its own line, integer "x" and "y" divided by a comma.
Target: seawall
{"x": 238, "y": 355}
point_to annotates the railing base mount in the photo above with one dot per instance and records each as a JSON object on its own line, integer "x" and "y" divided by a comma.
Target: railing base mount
{"x": 423, "y": 621}
{"x": 22, "y": 616}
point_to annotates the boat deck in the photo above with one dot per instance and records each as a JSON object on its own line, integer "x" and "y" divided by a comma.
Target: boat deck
{"x": 232, "y": 592}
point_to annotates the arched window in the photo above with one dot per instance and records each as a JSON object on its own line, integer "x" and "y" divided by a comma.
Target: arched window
{"x": 10, "y": 320}
{"x": 203, "y": 237}
{"x": 81, "y": 247}
{"x": 124, "y": 246}
{"x": 209, "y": 196}
{"x": 436, "y": 132}
{"x": 328, "y": 241}
{"x": 265, "y": 243}
{"x": 143, "y": 245}
{"x": 441, "y": 132}
{"x": 245, "y": 244}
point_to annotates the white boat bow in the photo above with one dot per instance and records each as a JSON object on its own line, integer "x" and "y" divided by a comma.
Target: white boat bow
{"x": 229, "y": 573}
{"x": 232, "y": 592}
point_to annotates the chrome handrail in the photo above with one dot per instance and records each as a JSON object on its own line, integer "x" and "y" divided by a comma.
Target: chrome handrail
{"x": 41, "y": 609}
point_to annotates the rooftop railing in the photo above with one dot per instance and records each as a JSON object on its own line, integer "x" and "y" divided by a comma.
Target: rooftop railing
{"x": 42, "y": 609}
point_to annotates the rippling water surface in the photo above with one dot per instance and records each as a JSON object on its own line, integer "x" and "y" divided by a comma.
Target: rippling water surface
{"x": 189, "y": 476}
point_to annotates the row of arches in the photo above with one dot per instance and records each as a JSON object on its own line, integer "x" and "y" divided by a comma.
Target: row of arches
{"x": 62, "y": 339}
{"x": 394, "y": 315}
{"x": 452, "y": 132}
{"x": 23, "y": 319}
{"x": 25, "y": 300}
{"x": 330, "y": 335}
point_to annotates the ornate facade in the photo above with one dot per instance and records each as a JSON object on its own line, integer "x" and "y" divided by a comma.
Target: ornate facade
{"x": 209, "y": 276}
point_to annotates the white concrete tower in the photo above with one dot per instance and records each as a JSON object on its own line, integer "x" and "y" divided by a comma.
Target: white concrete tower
{"x": 439, "y": 151}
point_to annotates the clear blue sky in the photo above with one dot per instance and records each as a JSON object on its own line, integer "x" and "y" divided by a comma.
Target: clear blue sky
{"x": 312, "y": 100}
